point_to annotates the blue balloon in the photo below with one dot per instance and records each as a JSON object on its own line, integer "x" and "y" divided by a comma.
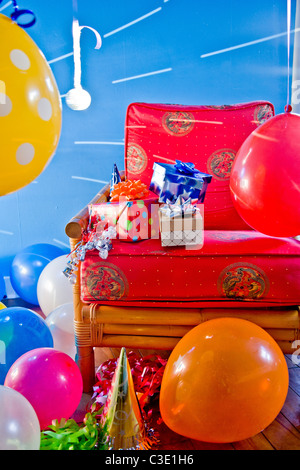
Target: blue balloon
{"x": 21, "y": 330}
{"x": 27, "y": 267}
{"x": 2, "y": 287}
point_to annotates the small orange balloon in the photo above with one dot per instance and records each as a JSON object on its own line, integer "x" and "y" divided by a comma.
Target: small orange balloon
{"x": 226, "y": 380}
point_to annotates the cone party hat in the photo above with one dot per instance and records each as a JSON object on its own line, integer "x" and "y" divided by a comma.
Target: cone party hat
{"x": 122, "y": 415}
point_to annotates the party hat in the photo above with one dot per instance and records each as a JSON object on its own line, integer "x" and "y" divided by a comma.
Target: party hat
{"x": 122, "y": 414}
{"x": 115, "y": 177}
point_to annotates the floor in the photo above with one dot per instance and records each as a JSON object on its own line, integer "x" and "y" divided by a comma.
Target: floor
{"x": 282, "y": 434}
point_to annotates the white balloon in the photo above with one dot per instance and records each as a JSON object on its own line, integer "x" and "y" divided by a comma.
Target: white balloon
{"x": 19, "y": 424}
{"x": 53, "y": 288}
{"x": 61, "y": 325}
{"x": 78, "y": 99}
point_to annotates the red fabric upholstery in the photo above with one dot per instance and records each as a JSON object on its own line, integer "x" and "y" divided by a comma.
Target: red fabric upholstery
{"x": 241, "y": 267}
{"x": 208, "y": 136}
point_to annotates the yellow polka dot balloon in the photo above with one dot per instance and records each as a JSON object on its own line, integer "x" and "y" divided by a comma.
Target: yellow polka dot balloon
{"x": 30, "y": 109}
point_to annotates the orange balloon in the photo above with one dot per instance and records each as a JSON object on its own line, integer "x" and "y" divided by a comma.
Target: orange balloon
{"x": 226, "y": 380}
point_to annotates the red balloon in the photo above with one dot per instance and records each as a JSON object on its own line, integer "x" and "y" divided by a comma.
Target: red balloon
{"x": 50, "y": 380}
{"x": 265, "y": 177}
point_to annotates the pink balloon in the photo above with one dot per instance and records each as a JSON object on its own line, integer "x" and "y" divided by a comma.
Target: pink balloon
{"x": 265, "y": 177}
{"x": 50, "y": 380}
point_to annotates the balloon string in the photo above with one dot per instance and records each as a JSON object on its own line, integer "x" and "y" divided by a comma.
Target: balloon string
{"x": 288, "y": 107}
{"x": 76, "y": 49}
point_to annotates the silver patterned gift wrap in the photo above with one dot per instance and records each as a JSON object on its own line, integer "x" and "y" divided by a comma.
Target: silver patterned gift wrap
{"x": 181, "y": 224}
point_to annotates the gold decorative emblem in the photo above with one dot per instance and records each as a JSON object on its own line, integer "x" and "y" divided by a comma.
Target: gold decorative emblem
{"x": 220, "y": 163}
{"x": 105, "y": 281}
{"x": 242, "y": 282}
{"x": 178, "y": 123}
{"x": 136, "y": 159}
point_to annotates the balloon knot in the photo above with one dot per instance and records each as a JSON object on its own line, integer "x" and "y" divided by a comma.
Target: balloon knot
{"x": 288, "y": 108}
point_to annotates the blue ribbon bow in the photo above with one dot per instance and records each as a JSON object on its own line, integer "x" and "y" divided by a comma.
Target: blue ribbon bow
{"x": 186, "y": 168}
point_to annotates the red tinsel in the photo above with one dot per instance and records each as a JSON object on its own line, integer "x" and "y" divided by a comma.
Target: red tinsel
{"x": 146, "y": 372}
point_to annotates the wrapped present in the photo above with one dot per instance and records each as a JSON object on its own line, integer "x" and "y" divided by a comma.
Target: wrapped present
{"x": 181, "y": 223}
{"x": 134, "y": 220}
{"x": 182, "y": 179}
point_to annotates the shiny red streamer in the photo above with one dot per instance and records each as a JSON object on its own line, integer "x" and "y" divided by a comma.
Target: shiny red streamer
{"x": 147, "y": 373}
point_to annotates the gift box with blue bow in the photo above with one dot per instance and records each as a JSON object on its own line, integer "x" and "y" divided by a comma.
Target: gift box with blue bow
{"x": 180, "y": 179}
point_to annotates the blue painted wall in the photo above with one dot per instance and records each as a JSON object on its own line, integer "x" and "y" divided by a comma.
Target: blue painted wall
{"x": 173, "y": 39}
